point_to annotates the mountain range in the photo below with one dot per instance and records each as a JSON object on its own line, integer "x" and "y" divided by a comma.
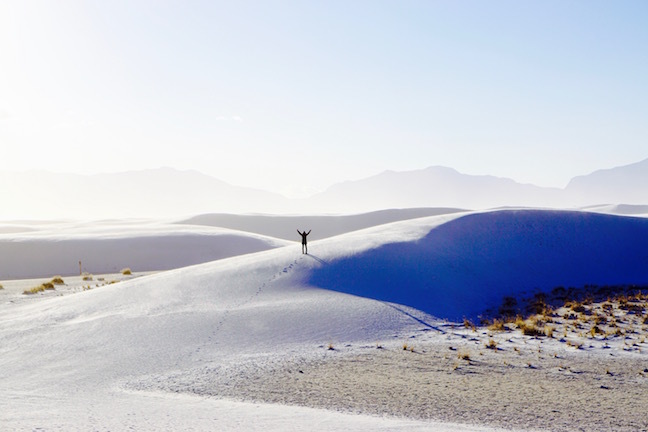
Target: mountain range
{"x": 167, "y": 192}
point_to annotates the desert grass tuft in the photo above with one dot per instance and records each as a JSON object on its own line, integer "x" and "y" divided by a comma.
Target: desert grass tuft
{"x": 469, "y": 324}
{"x": 531, "y": 328}
{"x": 57, "y": 280}
{"x": 407, "y": 347}
{"x": 40, "y": 288}
{"x": 549, "y": 332}
{"x": 596, "y": 330}
{"x": 126, "y": 271}
{"x": 577, "y": 345}
{"x": 34, "y": 290}
{"x": 497, "y": 325}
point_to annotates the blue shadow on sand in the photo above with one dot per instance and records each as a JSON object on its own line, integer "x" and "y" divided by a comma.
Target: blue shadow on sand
{"x": 468, "y": 265}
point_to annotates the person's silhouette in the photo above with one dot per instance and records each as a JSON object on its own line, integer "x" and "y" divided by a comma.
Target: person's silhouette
{"x": 304, "y": 241}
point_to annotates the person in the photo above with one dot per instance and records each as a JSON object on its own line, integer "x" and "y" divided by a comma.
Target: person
{"x": 304, "y": 242}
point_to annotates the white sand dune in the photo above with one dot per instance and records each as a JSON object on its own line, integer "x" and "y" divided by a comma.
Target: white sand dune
{"x": 46, "y": 248}
{"x": 111, "y": 358}
{"x": 621, "y": 209}
{"x": 283, "y": 226}
{"x": 470, "y": 264}
{"x": 40, "y": 249}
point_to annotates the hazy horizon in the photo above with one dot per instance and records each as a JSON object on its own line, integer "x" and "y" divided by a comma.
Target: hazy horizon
{"x": 293, "y": 97}
{"x": 168, "y": 192}
{"x": 289, "y": 196}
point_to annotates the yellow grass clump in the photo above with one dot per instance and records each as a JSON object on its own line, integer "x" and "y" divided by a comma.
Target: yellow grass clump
{"x": 40, "y": 288}
{"x": 498, "y": 325}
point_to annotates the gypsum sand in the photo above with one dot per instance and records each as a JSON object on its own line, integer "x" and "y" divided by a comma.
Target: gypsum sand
{"x": 591, "y": 374}
{"x": 530, "y": 384}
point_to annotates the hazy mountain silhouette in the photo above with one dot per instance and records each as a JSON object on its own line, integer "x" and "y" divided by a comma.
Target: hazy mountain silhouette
{"x": 160, "y": 192}
{"x": 626, "y": 184}
{"x": 434, "y": 187}
{"x": 168, "y": 192}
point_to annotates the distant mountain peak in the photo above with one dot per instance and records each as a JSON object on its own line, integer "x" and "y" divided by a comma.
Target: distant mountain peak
{"x": 167, "y": 191}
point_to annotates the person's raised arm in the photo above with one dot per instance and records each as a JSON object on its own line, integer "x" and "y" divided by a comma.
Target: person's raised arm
{"x": 308, "y": 232}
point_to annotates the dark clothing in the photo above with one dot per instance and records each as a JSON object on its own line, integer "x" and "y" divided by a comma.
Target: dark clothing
{"x": 303, "y": 234}
{"x": 304, "y": 241}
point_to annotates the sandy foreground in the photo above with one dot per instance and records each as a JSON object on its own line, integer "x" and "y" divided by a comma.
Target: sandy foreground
{"x": 525, "y": 383}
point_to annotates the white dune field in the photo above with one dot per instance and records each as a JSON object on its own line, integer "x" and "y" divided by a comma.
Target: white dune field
{"x": 154, "y": 352}
{"x": 41, "y": 249}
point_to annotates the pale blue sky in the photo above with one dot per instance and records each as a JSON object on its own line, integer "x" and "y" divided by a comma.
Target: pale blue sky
{"x": 292, "y": 96}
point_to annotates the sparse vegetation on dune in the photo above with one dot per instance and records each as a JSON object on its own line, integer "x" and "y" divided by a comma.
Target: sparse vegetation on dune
{"x": 40, "y": 288}
{"x": 73, "y": 286}
{"x": 577, "y": 300}
{"x": 498, "y": 325}
{"x": 464, "y": 355}
{"x": 408, "y": 347}
{"x": 126, "y": 271}
{"x": 532, "y": 327}
{"x": 34, "y": 290}
{"x": 469, "y": 324}
{"x": 588, "y": 312}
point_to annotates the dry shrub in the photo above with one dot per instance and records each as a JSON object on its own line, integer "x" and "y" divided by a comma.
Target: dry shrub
{"x": 531, "y": 328}
{"x": 34, "y": 290}
{"x": 576, "y": 306}
{"x": 596, "y": 330}
{"x": 39, "y": 288}
{"x": 549, "y": 331}
{"x": 497, "y": 325}
{"x": 464, "y": 355}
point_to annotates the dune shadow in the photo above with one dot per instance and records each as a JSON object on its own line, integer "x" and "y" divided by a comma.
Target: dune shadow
{"x": 468, "y": 265}
{"x": 415, "y": 318}
{"x": 316, "y": 258}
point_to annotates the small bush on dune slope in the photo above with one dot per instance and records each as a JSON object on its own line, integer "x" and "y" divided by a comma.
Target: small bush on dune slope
{"x": 40, "y": 288}
{"x": 57, "y": 280}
